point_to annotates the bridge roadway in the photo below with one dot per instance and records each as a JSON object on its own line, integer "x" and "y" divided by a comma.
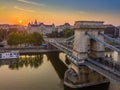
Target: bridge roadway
{"x": 106, "y": 71}
{"x": 107, "y": 68}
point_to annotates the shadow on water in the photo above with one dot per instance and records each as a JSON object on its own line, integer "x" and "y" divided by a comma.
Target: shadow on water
{"x": 34, "y": 61}
{"x": 58, "y": 65}
{"x": 61, "y": 68}
{"x": 101, "y": 87}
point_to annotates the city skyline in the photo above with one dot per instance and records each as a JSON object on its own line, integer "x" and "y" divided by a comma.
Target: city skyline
{"x": 59, "y": 12}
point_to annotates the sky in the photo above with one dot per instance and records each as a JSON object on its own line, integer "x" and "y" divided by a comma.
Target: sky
{"x": 59, "y": 11}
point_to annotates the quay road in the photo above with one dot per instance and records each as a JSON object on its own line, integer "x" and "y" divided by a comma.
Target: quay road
{"x": 29, "y": 50}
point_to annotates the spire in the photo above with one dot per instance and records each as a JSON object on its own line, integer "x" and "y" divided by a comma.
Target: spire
{"x": 29, "y": 23}
{"x": 35, "y": 22}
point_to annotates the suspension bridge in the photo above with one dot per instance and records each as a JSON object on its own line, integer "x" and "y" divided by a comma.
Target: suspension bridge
{"x": 87, "y": 47}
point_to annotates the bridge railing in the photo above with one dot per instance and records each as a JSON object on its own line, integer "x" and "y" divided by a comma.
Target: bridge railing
{"x": 67, "y": 44}
{"x": 108, "y": 62}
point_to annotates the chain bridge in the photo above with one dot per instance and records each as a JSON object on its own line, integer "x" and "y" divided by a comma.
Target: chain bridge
{"x": 87, "y": 47}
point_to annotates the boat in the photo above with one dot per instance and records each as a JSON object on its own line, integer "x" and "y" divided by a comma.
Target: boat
{"x": 9, "y": 55}
{"x": 73, "y": 81}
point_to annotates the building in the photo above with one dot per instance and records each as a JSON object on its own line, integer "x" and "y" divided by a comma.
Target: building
{"x": 40, "y": 28}
{"x": 119, "y": 30}
{"x": 8, "y": 27}
{"x": 111, "y": 30}
{"x": 4, "y": 26}
{"x": 64, "y": 26}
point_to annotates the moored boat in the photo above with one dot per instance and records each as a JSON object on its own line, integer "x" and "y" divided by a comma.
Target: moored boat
{"x": 9, "y": 55}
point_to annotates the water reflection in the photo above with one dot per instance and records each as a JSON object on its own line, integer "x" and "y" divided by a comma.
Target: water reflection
{"x": 34, "y": 61}
{"x": 8, "y": 62}
{"x": 49, "y": 76}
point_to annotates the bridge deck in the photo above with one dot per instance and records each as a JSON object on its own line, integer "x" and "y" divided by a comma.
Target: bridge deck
{"x": 107, "y": 72}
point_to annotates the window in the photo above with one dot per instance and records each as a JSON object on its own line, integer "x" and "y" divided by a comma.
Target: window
{"x": 10, "y": 54}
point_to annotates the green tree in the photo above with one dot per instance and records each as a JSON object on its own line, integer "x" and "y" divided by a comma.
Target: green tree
{"x": 67, "y": 32}
{"x": 2, "y": 34}
{"x": 0, "y": 39}
{"x": 12, "y": 39}
{"x": 18, "y": 38}
{"x": 15, "y": 38}
{"x": 37, "y": 38}
{"x": 54, "y": 34}
{"x": 28, "y": 39}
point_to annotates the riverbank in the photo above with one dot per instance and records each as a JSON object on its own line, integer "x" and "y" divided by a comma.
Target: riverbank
{"x": 30, "y": 50}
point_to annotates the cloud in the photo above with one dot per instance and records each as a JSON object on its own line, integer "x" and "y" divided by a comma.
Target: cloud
{"x": 81, "y": 12}
{"x": 31, "y": 2}
{"x": 22, "y": 9}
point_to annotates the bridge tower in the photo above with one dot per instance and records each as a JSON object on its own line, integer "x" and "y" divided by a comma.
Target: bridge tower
{"x": 84, "y": 46}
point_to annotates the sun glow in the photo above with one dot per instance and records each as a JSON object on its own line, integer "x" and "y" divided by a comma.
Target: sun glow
{"x": 20, "y": 21}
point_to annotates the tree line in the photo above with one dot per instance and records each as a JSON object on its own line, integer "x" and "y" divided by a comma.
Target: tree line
{"x": 5, "y": 32}
{"x": 63, "y": 34}
{"x": 18, "y": 38}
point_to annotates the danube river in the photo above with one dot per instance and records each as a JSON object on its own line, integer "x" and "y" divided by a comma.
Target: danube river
{"x": 36, "y": 72}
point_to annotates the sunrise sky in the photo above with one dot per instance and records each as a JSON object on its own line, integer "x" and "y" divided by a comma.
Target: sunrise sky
{"x": 59, "y": 11}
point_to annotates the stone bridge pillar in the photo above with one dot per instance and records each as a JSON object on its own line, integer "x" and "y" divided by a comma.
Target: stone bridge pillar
{"x": 84, "y": 46}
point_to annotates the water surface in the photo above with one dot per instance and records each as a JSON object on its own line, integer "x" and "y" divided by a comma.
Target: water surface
{"x": 36, "y": 72}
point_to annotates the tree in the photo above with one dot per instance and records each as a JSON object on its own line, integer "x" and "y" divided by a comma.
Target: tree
{"x": 0, "y": 39}
{"x": 18, "y": 38}
{"x": 37, "y": 38}
{"x": 67, "y": 32}
{"x": 54, "y": 34}
{"x": 12, "y": 39}
{"x": 28, "y": 39}
{"x": 2, "y": 34}
{"x": 15, "y": 38}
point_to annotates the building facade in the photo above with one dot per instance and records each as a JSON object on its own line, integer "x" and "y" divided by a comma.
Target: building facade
{"x": 40, "y": 28}
{"x": 60, "y": 28}
{"x": 8, "y": 27}
{"x": 119, "y": 30}
{"x": 111, "y": 31}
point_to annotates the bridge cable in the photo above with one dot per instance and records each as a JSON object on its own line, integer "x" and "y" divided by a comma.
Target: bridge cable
{"x": 70, "y": 38}
{"x": 104, "y": 43}
{"x": 111, "y": 39}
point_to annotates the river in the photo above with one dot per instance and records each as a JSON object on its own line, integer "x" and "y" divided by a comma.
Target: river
{"x": 36, "y": 72}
